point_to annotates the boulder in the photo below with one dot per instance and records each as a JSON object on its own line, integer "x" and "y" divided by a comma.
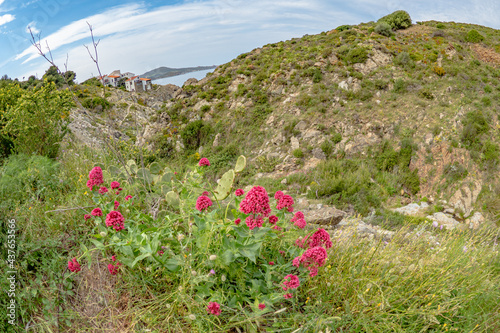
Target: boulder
{"x": 324, "y": 216}
{"x": 444, "y": 220}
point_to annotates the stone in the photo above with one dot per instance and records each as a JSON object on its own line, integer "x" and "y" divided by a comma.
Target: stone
{"x": 465, "y": 198}
{"x": 216, "y": 140}
{"x": 294, "y": 143}
{"x": 301, "y": 126}
{"x": 324, "y": 216}
{"x": 411, "y": 209}
{"x": 319, "y": 154}
{"x": 343, "y": 85}
{"x": 443, "y": 219}
{"x": 475, "y": 220}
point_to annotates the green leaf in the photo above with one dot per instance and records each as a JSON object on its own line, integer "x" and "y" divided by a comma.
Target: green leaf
{"x": 139, "y": 258}
{"x": 250, "y": 251}
{"x": 172, "y": 264}
{"x": 98, "y": 244}
{"x": 155, "y": 168}
{"x": 145, "y": 175}
{"x": 227, "y": 257}
{"x": 173, "y": 199}
{"x": 240, "y": 164}
{"x": 225, "y": 184}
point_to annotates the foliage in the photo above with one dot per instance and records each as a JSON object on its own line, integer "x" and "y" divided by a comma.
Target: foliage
{"x": 352, "y": 55}
{"x": 397, "y": 20}
{"x": 404, "y": 60}
{"x": 52, "y": 75}
{"x": 384, "y": 29}
{"x": 475, "y": 125}
{"x": 195, "y": 134}
{"x": 298, "y": 153}
{"x": 473, "y": 36}
{"x": 96, "y": 102}
{"x": 439, "y": 70}
{"x": 24, "y": 178}
{"x": 38, "y": 119}
{"x": 343, "y": 27}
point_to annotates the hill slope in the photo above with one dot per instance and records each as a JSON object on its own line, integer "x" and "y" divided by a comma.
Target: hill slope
{"x": 426, "y": 99}
{"x": 162, "y": 72}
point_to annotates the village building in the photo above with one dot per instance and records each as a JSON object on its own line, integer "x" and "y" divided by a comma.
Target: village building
{"x": 132, "y": 82}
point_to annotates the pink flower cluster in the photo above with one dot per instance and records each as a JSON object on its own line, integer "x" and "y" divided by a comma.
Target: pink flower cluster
{"x": 73, "y": 265}
{"x": 213, "y": 308}
{"x": 273, "y": 219}
{"x": 96, "y": 212}
{"x": 114, "y": 185}
{"x": 204, "y": 162}
{"x": 95, "y": 177}
{"x": 284, "y": 201}
{"x": 239, "y": 192}
{"x": 113, "y": 269}
{"x": 291, "y": 282}
{"x": 103, "y": 190}
{"x": 115, "y": 219}
{"x": 256, "y": 203}
{"x": 128, "y": 197}
{"x": 299, "y": 220}
{"x": 203, "y": 202}
{"x": 311, "y": 259}
{"x": 320, "y": 238}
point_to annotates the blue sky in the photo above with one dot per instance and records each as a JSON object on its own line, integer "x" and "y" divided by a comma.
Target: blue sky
{"x": 138, "y": 36}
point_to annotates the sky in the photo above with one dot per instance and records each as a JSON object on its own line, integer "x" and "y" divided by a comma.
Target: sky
{"x": 137, "y": 36}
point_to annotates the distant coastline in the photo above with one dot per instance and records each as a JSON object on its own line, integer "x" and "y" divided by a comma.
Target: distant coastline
{"x": 164, "y": 72}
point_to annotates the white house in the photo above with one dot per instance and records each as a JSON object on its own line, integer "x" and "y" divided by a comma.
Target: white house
{"x": 133, "y": 82}
{"x": 138, "y": 84}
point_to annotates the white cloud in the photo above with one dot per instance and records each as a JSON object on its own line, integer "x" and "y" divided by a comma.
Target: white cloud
{"x": 32, "y": 26}
{"x": 6, "y": 18}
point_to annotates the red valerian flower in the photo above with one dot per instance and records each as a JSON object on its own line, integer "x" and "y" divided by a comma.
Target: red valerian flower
{"x": 96, "y": 212}
{"x": 253, "y": 223}
{"x": 115, "y": 219}
{"x": 273, "y": 219}
{"x": 320, "y": 238}
{"x": 113, "y": 269}
{"x": 299, "y": 221}
{"x": 95, "y": 177}
{"x": 114, "y": 184}
{"x": 116, "y": 204}
{"x": 288, "y": 296}
{"x": 214, "y": 308}
{"x": 285, "y": 201}
{"x": 271, "y": 263}
{"x": 262, "y": 306}
{"x": 256, "y": 202}
{"x": 278, "y": 195}
{"x": 113, "y": 257}
{"x": 103, "y": 190}
{"x": 86, "y": 216}
{"x": 311, "y": 259}
{"x": 203, "y": 202}
{"x": 73, "y": 265}
{"x": 291, "y": 282}
{"x": 239, "y": 192}
{"x": 128, "y": 197}
{"x": 204, "y": 162}
{"x": 206, "y": 193}
{"x": 237, "y": 221}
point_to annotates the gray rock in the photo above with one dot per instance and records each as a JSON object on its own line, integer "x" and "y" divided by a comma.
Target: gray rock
{"x": 319, "y": 154}
{"x": 475, "y": 220}
{"x": 343, "y": 85}
{"x": 324, "y": 216}
{"x": 294, "y": 143}
{"x": 216, "y": 140}
{"x": 443, "y": 219}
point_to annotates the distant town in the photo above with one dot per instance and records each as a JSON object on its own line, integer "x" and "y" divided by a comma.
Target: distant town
{"x": 131, "y": 81}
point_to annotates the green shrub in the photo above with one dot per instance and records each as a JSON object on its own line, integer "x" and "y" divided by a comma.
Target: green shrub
{"x": 343, "y": 28}
{"x": 298, "y": 153}
{"x": 336, "y": 137}
{"x": 94, "y": 102}
{"x": 474, "y": 37}
{"x": 400, "y": 86}
{"x": 24, "y": 178}
{"x": 384, "y": 29}
{"x": 352, "y": 55}
{"x": 404, "y": 60}
{"x": 195, "y": 134}
{"x": 474, "y": 125}
{"x": 397, "y": 20}
{"x": 491, "y": 153}
{"x": 327, "y": 148}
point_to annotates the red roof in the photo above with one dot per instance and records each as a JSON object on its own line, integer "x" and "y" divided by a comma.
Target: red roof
{"x": 113, "y": 75}
{"x": 133, "y": 77}
{"x": 144, "y": 79}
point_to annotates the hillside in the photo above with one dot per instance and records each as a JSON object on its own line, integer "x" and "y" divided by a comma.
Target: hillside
{"x": 367, "y": 198}
{"x": 162, "y": 72}
{"x": 351, "y": 94}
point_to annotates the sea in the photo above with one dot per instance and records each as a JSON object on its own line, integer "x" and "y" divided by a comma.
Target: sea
{"x": 179, "y": 80}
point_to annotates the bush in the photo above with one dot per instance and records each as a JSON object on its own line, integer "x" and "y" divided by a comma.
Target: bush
{"x": 327, "y": 148}
{"x": 384, "y": 29}
{"x": 298, "y": 153}
{"x": 474, "y": 125}
{"x": 343, "y": 27}
{"x": 352, "y": 55}
{"x": 37, "y": 121}
{"x": 439, "y": 70}
{"x": 397, "y": 20}
{"x": 94, "y": 102}
{"x": 404, "y": 60}
{"x": 194, "y": 134}
{"x": 336, "y": 137}
{"x": 474, "y": 37}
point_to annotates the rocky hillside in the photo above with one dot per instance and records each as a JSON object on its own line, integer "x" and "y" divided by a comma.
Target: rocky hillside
{"x": 357, "y": 117}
